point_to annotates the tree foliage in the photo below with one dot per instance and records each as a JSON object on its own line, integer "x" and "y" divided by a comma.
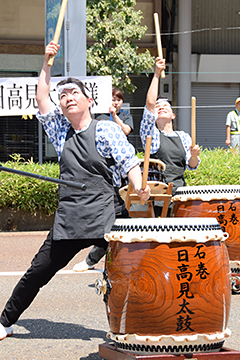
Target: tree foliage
{"x": 114, "y": 25}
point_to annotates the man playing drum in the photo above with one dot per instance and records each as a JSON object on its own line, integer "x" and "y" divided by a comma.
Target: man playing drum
{"x": 88, "y": 153}
{"x": 174, "y": 148}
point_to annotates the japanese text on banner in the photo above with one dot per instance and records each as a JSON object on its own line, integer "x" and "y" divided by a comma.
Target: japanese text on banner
{"x": 18, "y": 95}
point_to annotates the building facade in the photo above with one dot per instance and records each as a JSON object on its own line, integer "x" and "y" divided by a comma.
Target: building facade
{"x": 200, "y": 42}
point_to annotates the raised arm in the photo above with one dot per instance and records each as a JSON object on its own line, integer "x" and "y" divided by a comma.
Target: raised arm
{"x": 152, "y": 93}
{"x": 43, "y": 100}
{"x": 194, "y": 159}
{"x": 124, "y": 127}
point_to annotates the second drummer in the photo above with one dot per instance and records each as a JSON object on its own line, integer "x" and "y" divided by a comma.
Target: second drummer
{"x": 174, "y": 148}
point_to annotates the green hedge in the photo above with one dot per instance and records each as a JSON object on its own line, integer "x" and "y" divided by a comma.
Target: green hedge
{"x": 29, "y": 194}
{"x": 218, "y": 167}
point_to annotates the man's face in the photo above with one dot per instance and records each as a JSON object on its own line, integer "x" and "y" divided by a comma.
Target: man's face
{"x": 73, "y": 101}
{"x": 163, "y": 110}
{"x": 238, "y": 105}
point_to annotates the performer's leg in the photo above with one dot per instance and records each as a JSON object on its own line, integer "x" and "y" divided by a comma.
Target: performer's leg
{"x": 95, "y": 255}
{"x": 52, "y": 256}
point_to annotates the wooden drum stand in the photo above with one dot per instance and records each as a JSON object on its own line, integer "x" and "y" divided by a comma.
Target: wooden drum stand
{"x": 160, "y": 191}
{"x": 110, "y": 352}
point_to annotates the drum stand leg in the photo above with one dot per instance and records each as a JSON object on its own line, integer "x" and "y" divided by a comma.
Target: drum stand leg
{"x": 110, "y": 352}
{"x": 165, "y": 196}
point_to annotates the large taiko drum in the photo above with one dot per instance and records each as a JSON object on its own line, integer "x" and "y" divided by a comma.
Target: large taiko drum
{"x": 167, "y": 285}
{"x": 219, "y": 201}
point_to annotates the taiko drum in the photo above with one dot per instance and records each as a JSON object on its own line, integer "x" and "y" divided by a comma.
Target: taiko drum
{"x": 169, "y": 285}
{"x": 219, "y": 201}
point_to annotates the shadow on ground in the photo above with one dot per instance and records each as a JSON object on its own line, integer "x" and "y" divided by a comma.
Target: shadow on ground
{"x": 93, "y": 356}
{"x": 44, "y": 329}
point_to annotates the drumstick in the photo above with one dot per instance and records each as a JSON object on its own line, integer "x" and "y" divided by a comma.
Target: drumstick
{"x": 193, "y": 121}
{"x": 230, "y": 147}
{"x": 146, "y": 165}
{"x": 158, "y": 38}
{"x": 58, "y": 27}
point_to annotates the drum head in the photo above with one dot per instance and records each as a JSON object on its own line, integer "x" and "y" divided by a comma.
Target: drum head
{"x": 166, "y": 230}
{"x": 207, "y": 193}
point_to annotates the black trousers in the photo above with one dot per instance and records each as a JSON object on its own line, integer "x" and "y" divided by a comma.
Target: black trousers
{"x": 51, "y": 257}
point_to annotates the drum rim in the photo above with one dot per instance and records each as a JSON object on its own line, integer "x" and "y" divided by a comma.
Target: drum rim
{"x": 198, "y": 230}
{"x": 208, "y": 189}
{"x": 207, "y": 192}
{"x": 208, "y": 186}
{"x": 166, "y": 230}
{"x": 174, "y": 343}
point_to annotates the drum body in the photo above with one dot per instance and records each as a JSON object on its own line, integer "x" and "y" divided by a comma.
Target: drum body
{"x": 221, "y": 202}
{"x": 170, "y": 285}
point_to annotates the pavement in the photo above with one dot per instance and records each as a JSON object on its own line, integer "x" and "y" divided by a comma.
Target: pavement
{"x": 67, "y": 320}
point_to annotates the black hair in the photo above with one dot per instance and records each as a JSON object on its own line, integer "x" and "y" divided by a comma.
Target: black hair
{"x": 162, "y": 98}
{"x": 118, "y": 93}
{"x": 74, "y": 81}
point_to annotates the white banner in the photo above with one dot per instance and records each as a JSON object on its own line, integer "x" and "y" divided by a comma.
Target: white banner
{"x": 18, "y": 95}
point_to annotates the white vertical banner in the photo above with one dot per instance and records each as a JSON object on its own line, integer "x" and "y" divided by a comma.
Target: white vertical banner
{"x": 18, "y": 95}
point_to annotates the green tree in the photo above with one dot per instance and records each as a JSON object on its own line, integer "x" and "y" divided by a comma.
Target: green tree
{"x": 114, "y": 25}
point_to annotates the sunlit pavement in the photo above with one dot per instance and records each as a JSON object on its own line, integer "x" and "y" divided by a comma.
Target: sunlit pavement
{"x": 67, "y": 320}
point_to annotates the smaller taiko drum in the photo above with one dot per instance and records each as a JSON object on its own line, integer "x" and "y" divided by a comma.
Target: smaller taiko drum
{"x": 167, "y": 285}
{"x": 156, "y": 170}
{"x": 156, "y": 180}
{"x": 219, "y": 201}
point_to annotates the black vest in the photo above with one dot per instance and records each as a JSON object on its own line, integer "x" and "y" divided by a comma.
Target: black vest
{"x": 84, "y": 214}
{"x": 172, "y": 153}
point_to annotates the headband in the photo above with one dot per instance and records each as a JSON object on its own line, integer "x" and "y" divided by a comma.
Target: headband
{"x": 162, "y": 100}
{"x": 60, "y": 88}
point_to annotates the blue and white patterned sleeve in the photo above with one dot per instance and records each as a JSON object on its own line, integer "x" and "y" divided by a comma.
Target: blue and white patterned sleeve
{"x": 112, "y": 142}
{"x": 56, "y": 127}
{"x": 187, "y": 142}
{"x": 148, "y": 127}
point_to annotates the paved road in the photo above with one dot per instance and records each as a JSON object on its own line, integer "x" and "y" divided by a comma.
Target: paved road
{"x": 67, "y": 320}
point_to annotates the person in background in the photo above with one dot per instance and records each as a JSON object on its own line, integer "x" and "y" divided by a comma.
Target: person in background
{"x": 233, "y": 126}
{"x": 174, "y": 148}
{"x": 125, "y": 121}
{"x": 88, "y": 153}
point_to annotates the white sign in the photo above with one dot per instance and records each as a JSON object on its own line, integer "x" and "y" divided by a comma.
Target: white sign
{"x": 18, "y": 95}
